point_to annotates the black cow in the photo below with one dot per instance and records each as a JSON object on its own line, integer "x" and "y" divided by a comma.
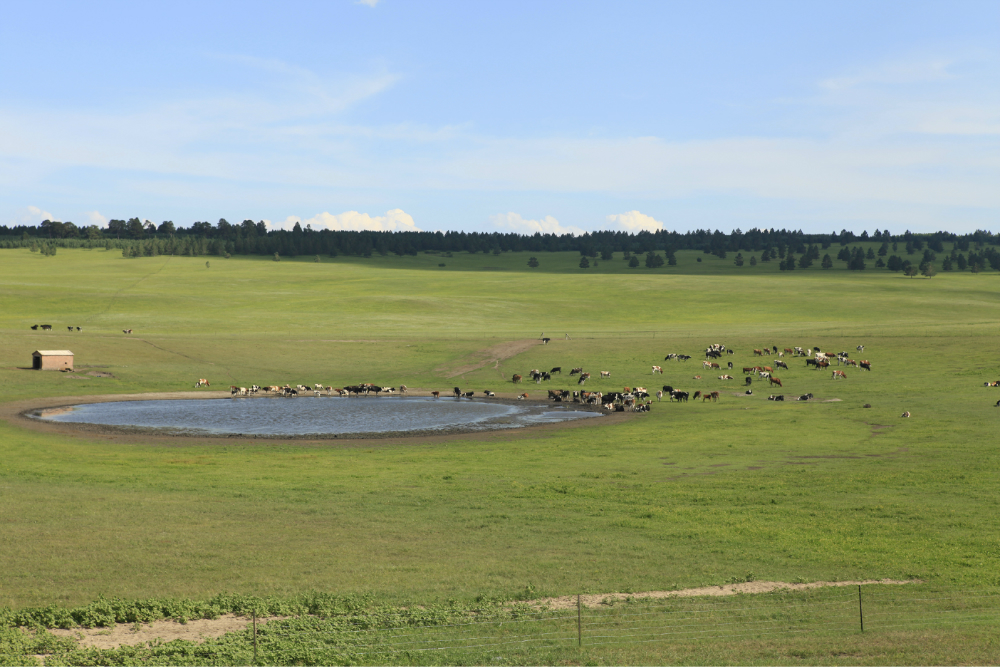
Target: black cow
{"x": 683, "y": 357}
{"x": 46, "y": 327}
{"x": 749, "y": 380}
{"x": 779, "y": 397}
{"x": 730, "y": 364}
{"x": 470, "y": 394}
{"x": 545, "y": 341}
{"x": 679, "y": 396}
{"x": 458, "y": 392}
{"x": 34, "y": 327}
{"x": 557, "y": 369}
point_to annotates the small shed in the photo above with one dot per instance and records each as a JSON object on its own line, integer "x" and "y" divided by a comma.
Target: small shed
{"x": 52, "y": 360}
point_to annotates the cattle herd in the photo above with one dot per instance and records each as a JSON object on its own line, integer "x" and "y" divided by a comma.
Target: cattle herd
{"x": 629, "y": 399}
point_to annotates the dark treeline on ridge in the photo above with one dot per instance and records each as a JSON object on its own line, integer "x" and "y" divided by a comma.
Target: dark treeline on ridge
{"x": 142, "y": 238}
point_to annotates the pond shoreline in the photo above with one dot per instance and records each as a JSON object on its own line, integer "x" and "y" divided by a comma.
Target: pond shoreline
{"x": 26, "y": 413}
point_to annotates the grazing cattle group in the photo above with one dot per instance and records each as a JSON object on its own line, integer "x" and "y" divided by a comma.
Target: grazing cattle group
{"x": 629, "y": 399}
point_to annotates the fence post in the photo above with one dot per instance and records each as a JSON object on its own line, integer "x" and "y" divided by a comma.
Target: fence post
{"x": 579, "y": 623}
{"x": 861, "y": 613}
{"x": 255, "y": 637}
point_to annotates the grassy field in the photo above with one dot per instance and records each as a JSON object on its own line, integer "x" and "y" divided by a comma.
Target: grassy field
{"x": 687, "y": 495}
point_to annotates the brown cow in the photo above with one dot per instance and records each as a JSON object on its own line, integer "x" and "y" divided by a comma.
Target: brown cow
{"x": 775, "y": 381}
{"x": 516, "y": 379}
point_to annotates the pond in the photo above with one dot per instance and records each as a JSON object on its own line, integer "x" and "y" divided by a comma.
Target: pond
{"x": 316, "y": 417}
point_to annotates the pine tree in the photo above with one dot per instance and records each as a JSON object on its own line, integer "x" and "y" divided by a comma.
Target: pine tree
{"x": 584, "y": 263}
{"x": 753, "y": 260}
{"x": 533, "y": 262}
{"x": 634, "y": 262}
{"x": 827, "y": 262}
{"x": 739, "y": 259}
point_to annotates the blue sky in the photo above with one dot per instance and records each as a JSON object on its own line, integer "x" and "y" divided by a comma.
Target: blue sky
{"x": 516, "y": 116}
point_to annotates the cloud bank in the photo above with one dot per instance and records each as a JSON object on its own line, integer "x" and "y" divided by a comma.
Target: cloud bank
{"x": 548, "y": 225}
{"x": 634, "y": 222}
{"x": 395, "y": 220}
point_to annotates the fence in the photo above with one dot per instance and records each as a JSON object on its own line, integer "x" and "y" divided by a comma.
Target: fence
{"x": 535, "y": 633}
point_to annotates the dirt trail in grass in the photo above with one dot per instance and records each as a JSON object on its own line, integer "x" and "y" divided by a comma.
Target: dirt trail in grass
{"x": 490, "y": 355}
{"x": 202, "y": 629}
{"x": 130, "y": 635}
{"x": 569, "y": 601}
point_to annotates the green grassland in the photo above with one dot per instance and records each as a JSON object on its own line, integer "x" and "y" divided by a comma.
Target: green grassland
{"x": 687, "y": 495}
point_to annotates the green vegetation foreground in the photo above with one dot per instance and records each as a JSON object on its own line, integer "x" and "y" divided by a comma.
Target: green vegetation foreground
{"x": 689, "y": 494}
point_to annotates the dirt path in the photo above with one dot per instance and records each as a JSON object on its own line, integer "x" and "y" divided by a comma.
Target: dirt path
{"x": 202, "y": 629}
{"x": 569, "y": 601}
{"x": 489, "y": 355}
{"x": 130, "y": 635}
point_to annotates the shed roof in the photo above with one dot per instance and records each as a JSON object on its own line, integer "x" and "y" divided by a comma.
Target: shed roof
{"x": 52, "y": 353}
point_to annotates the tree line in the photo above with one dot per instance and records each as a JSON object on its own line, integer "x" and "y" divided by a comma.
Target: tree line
{"x": 143, "y": 238}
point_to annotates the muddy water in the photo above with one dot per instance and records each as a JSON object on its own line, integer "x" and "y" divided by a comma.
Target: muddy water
{"x": 316, "y": 416}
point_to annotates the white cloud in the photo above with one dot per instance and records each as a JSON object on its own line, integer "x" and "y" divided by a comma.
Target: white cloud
{"x": 633, "y": 222}
{"x": 395, "y": 220}
{"x": 369, "y": 3}
{"x": 547, "y": 225}
{"x": 30, "y": 215}
{"x": 893, "y": 73}
{"x": 95, "y": 218}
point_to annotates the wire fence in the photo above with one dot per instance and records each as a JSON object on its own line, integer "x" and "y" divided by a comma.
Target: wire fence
{"x": 834, "y": 612}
